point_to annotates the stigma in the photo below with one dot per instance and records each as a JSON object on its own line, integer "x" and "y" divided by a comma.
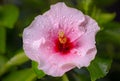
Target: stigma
{"x": 63, "y": 45}
{"x": 61, "y": 37}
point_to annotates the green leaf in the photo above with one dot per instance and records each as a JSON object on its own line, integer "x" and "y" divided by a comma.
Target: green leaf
{"x": 99, "y": 67}
{"x": 81, "y": 74}
{"x": 65, "y": 78}
{"x": 8, "y": 15}
{"x": 21, "y": 75}
{"x": 2, "y": 40}
{"x": 18, "y": 59}
{"x": 38, "y": 72}
{"x": 86, "y": 5}
{"x": 106, "y": 17}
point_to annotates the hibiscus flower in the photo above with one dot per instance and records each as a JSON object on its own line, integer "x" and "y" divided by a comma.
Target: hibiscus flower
{"x": 61, "y": 39}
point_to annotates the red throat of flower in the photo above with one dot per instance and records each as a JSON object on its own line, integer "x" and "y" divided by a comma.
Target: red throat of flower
{"x": 63, "y": 44}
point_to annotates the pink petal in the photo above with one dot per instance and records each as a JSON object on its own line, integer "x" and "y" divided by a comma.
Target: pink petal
{"x": 66, "y": 18}
{"x": 87, "y": 40}
{"x": 87, "y": 48}
{"x": 33, "y": 38}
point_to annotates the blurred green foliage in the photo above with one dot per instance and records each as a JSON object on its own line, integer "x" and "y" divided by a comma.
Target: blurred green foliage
{"x": 15, "y": 15}
{"x": 2, "y": 40}
{"x": 9, "y": 15}
{"x": 21, "y": 75}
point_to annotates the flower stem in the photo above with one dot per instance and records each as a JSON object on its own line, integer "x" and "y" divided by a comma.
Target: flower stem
{"x": 18, "y": 59}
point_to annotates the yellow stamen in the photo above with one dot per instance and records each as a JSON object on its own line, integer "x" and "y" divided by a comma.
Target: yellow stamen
{"x": 62, "y": 37}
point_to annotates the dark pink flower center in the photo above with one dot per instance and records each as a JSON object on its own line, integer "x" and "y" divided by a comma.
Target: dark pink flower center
{"x": 63, "y": 44}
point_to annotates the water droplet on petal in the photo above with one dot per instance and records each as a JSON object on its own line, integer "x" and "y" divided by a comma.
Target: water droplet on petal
{"x": 63, "y": 16}
{"x": 79, "y": 53}
{"x": 73, "y": 30}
